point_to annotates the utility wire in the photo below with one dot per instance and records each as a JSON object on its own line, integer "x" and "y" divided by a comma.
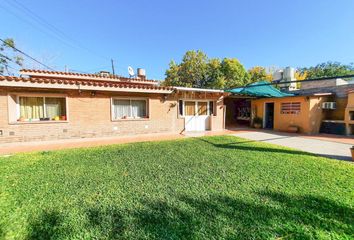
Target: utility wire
{"x": 279, "y": 82}
{"x": 38, "y": 28}
{"x": 48, "y": 26}
{"x": 25, "y": 54}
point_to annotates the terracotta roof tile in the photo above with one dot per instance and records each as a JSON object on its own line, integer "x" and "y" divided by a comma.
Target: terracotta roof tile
{"x": 80, "y": 82}
{"x": 89, "y": 76}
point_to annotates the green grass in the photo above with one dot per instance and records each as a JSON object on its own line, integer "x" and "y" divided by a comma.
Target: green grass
{"x": 201, "y": 188}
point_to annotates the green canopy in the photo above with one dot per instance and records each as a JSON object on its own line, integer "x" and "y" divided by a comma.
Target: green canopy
{"x": 259, "y": 89}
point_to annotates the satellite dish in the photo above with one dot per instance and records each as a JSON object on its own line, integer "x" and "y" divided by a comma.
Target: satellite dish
{"x": 131, "y": 71}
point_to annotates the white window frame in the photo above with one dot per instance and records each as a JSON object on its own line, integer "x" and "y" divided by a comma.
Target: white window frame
{"x": 130, "y": 99}
{"x": 196, "y": 106}
{"x": 43, "y": 95}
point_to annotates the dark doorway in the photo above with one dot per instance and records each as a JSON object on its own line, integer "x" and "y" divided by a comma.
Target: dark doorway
{"x": 238, "y": 112}
{"x": 269, "y": 115}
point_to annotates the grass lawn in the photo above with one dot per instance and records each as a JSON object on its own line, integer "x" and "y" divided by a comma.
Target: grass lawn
{"x": 202, "y": 188}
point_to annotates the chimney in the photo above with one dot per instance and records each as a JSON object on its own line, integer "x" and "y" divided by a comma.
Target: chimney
{"x": 141, "y": 73}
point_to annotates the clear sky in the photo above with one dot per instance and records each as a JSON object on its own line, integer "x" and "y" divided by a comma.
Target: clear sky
{"x": 148, "y": 34}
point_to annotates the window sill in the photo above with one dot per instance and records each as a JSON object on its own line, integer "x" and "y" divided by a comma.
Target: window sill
{"x": 131, "y": 119}
{"x": 38, "y": 122}
{"x": 183, "y": 117}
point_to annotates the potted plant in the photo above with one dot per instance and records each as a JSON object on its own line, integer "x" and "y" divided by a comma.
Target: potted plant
{"x": 63, "y": 118}
{"x": 293, "y": 129}
{"x": 352, "y": 151}
{"x": 257, "y": 122}
{"x": 22, "y": 119}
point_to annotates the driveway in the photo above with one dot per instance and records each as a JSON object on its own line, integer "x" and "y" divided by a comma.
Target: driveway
{"x": 326, "y": 148}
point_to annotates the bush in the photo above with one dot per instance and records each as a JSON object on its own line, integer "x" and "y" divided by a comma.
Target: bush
{"x": 257, "y": 120}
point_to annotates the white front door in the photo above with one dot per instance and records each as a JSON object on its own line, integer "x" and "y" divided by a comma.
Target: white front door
{"x": 196, "y": 116}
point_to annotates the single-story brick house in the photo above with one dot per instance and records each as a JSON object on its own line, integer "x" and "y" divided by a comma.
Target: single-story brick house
{"x": 48, "y": 105}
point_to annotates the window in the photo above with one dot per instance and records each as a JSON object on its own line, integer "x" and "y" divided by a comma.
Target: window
{"x": 55, "y": 107}
{"x": 189, "y": 108}
{"x": 211, "y": 108}
{"x": 180, "y": 107}
{"x": 202, "y": 108}
{"x": 41, "y": 108}
{"x": 129, "y": 108}
{"x": 192, "y": 108}
{"x": 290, "y": 108}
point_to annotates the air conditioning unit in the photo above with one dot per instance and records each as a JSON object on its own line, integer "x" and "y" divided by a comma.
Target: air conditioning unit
{"x": 329, "y": 105}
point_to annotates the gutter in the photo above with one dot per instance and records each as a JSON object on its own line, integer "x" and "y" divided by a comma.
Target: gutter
{"x": 198, "y": 90}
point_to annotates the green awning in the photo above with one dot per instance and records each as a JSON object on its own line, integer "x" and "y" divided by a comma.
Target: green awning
{"x": 259, "y": 89}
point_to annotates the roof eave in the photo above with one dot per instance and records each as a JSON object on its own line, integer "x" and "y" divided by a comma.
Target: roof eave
{"x": 115, "y": 88}
{"x": 187, "y": 89}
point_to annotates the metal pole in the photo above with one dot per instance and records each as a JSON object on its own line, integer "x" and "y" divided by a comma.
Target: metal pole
{"x": 112, "y": 66}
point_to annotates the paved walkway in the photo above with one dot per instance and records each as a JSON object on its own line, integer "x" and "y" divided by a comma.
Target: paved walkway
{"x": 11, "y": 148}
{"x": 322, "y": 145}
{"x": 329, "y": 146}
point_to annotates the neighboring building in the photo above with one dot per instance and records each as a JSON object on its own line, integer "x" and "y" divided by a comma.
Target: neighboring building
{"x": 283, "y": 113}
{"x": 286, "y": 75}
{"x": 325, "y": 106}
{"x": 334, "y": 119}
{"x": 48, "y": 105}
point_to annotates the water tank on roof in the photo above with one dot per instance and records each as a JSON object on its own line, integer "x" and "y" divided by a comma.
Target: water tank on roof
{"x": 289, "y": 74}
{"x": 278, "y": 75}
{"x": 141, "y": 72}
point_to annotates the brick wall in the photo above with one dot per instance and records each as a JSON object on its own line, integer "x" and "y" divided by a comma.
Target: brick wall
{"x": 90, "y": 116}
{"x": 340, "y": 91}
{"x": 323, "y": 83}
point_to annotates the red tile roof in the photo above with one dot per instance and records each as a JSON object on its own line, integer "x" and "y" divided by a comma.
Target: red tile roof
{"x": 84, "y": 82}
{"x": 89, "y": 76}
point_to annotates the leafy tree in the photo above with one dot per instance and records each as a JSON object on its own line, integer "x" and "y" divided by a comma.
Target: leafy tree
{"x": 327, "y": 69}
{"x": 172, "y": 77}
{"x": 300, "y": 76}
{"x": 234, "y": 72}
{"x": 257, "y": 73}
{"x": 214, "y": 75}
{"x": 192, "y": 70}
{"x": 8, "y": 58}
{"x": 197, "y": 70}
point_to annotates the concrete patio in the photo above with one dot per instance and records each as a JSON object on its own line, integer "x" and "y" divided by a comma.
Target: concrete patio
{"x": 328, "y": 146}
{"x": 323, "y": 145}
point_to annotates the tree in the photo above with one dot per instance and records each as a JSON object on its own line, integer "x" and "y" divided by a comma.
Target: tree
{"x": 172, "y": 77}
{"x": 327, "y": 69}
{"x": 234, "y": 72}
{"x": 192, "y": 70}
{"x": 300, "y": 76}
{"x": 214, "y": 75}
{"x": 257, "y": 73}
{"x": 8, "y": 58}
{"x": 197, "y": 70}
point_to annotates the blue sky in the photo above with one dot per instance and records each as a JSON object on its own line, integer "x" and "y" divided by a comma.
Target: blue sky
{"x": 149, "y": 34}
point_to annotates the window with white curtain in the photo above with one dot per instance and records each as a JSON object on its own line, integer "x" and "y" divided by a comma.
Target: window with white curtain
{"x": 129, "y": 108}
{"x": 32, "y": 108}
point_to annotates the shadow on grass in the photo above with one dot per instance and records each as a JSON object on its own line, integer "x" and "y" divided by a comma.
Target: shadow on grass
{"x": 106, "y": 222}
{"x": 269, "y": 215}
{"x": 2, "y": 233}
{"x": 295, "y": 217}
{"x": 48, "y": 226}
{"x": 241, "y": 146}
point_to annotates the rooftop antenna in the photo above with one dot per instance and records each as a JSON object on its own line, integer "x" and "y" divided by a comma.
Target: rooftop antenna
{"x": 112, "y": 67}
{"x": 131, "y": 71}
